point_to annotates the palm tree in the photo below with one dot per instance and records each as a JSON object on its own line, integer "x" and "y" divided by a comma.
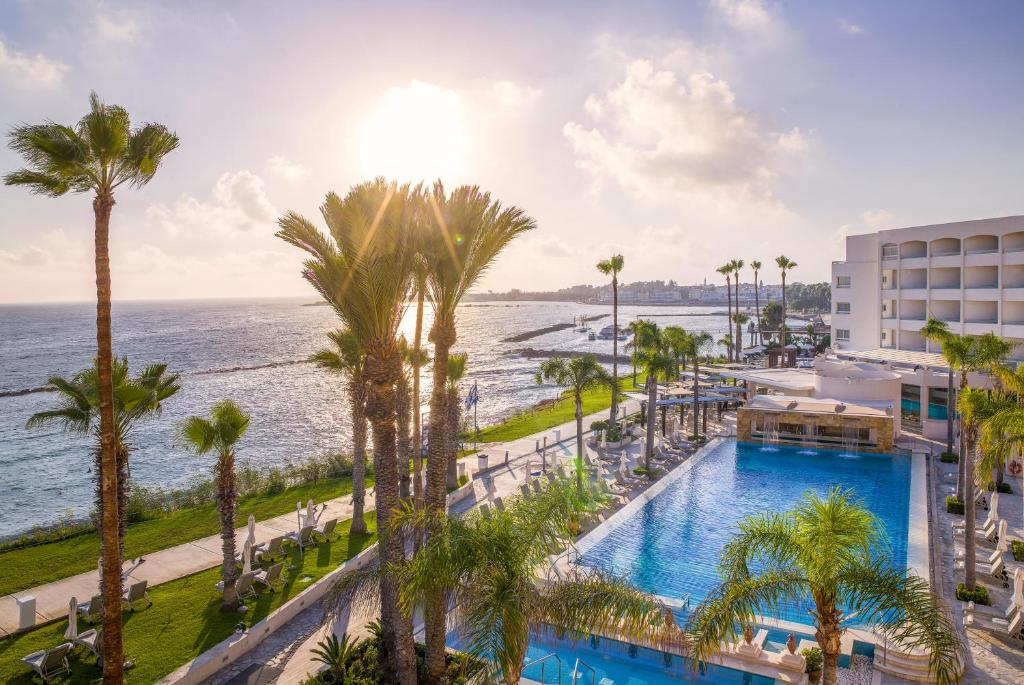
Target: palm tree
{"x": 134, "y": 398}
{"x": 578, "y": 375}
{"x": 98, "y": 155}
{"x": 675, "y": 338}
{"x": 613, "y": 266}
{"x": 225, "y": 427}
{"x": 456, "y": 372}
{"x": 417, "y": 361}
{"x": 346, "y": 356}
{"x": 468, "y": 230}
{"x": 726, "y": 270}
{"x": 740, "y": 319}
{"x": 364, "y": 269}
{"x": 785, "y": 264}
{"x": 737, "y": 266}
{"x": 772, "y": 317}
{"x": 644, "y": 332}
{"x": 936, "y": 331}
{"x": 697, "y": 344}
{"x": 1003, "y": 433}
{"x": 756, "y": 266}
{"x": 825, "y": 551}
{"x": 656, "y": 360}
{"x": 487, "y": 568}
{"x": 403, "y": 412}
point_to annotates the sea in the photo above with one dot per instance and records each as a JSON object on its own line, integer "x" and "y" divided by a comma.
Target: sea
{"x": 254, "y": 352}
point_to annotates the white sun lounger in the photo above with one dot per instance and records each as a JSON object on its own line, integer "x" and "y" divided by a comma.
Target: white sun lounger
{"x": 49, "y": 662}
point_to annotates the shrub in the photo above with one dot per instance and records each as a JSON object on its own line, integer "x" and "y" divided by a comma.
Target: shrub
{"x": 1018, "y": 549}
{"x": 463, "y": 479}
{"x": 949, "y": 458}
{"x": 363, "y": 666}
{"x": 598, "y": 426}
{"x": 954, "y": 506}
{"x": 1004, "y": 488}
{"x": 979, "y": 595}
{"x": 643, "y": 471}
{"x": 813, "y": 659}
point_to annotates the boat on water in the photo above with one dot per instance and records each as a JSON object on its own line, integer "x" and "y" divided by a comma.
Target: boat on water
{"x": 608, "y": 332}
{"x": 592, "y": 336}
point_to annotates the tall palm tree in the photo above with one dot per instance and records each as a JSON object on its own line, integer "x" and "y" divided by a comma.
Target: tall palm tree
{"x": 98, "y": 155}
{"x": 456, "y": 372}
{"x": 740, "y": 319}
{"x": 675, "y": 339}
{"x": 756, "y": 266}
{"x": 825, "y": 550}
{"x": 644, "y": 331}
{"x": 486, "y": 567}
{"x": 697, "y": 344}
{"x": 1003, "y": 433}
{"x": 976, "y": 407}
{"x": 726, "y": 270}
{"x": 785, "y": 264}
{"x": 364, "y": 269}
{"x": 737, "y": 267}
{"x": 467, "y": 232}
{"x": 936, "y": 331}
{"x": 417, "y": 361}
{"x": 578, "y": 375}
{"x": 135, "y": 398}
{"x": 612, "y": 266}
{"x": 656, "y": 360}
{"x": 403, "y": 411}
{"x": 346, "y": 356}
{"x": 225, "y": 427}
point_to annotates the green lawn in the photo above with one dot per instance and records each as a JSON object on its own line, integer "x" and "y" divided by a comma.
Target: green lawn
{"x": 31, "y": 566}
{"x": 184, "y": 621}
{"x": 536, "y": 420}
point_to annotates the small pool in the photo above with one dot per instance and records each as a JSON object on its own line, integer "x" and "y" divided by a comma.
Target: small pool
{"x": 670, "y": 544}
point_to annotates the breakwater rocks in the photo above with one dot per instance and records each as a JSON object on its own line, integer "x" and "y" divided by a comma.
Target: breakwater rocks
{"x": 545, "y": 354}
{"x": 548, "y": 329}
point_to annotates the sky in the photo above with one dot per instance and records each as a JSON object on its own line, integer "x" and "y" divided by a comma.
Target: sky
{"x": 679, "y": 134}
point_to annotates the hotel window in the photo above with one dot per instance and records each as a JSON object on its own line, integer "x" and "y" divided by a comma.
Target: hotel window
{"x": 842, "y": 334}
{"x": 842, "y": 281}
{"x": 842, "y": 307}
{"x": 890, "y": 251}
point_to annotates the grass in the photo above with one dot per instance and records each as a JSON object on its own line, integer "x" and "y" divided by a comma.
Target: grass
{"x": 31, "y": 566}
{"x": 185, "y": 619}
{"x": 536, "y": 420}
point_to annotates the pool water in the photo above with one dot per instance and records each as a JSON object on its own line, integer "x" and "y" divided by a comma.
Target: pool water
{"x": 671, "y": 544}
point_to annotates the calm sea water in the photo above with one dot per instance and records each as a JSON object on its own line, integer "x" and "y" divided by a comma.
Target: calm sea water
{"x": 251, "y": 351}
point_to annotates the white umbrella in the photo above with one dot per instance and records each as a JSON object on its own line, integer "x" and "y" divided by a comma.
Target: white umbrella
{"x": 251, "y": 540}
{"x": 310, "y": 513}
{"x": 298, "y": 512}
{"x": 1003, "y": 545}
{"x": 72, "y": 632}
{"x": 247, "y": 558}
{"x": 993, "y": 507}
{"x": 1018, "y": 588}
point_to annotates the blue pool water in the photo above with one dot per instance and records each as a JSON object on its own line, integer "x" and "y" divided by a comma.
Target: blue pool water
{"x": 671, "y": 545}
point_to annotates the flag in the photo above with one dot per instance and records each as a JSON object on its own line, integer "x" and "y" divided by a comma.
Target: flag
{"x": 473, "y": 396}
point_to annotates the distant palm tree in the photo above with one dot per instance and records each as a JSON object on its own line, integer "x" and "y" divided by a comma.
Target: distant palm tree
{"x": 487, "y": 567}
{"x": 346, "y": 356}
{"x": 823, "y": 551}
{"x": 756, "y": 266}
{"x": 737, "y": 267}
{"x": 99, "y": 155}
{"x": 1002, "y": 434}
{"x": 785, "y": 264}
{"x": 456, "y": 372}
{"x": 644, "y": 332}
{"x": 225, "y": 427}
{"x": 740, "y": 319}
{"x": 675, "y": 338}
{"x": 364, "y": 269}
{"x": 134, "y": 398}
{"x": 468, "y": 230}
{"x": 656, "y": 360}
{"x": 726, "y": 270}
{"x": 697, "y": 345}
{"x": 612, "y": 267}
{"x": 578, "y": 375}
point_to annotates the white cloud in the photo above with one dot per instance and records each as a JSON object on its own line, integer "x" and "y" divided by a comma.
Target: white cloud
{"x": 850, "y": 28}
{"x": 238, "y": 204}
{"x": 31, "y": 255}
{"x": 510, "y": 94}
{"x": 30, "y": 71}
{"x": 745, "y": 15}
{"x": 878, "y": 218}
{"x": 119, "y": 27}
{"x": 286, "y": 169}
{"x": 660, "y": 133}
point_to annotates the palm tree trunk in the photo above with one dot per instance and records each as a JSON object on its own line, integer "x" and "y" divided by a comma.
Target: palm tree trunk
{"x": 652, "y": 418}
{"x": 417, "y": 434}
{"x": 961, "y": 467}
{"x": 757, "y": 308}
{"x": 454, "y": 421}
{"x": 784, "y": 335}
{"x": 226, "y": 491}
{"x": 739, "y": 330}
{"x": 696, "y": 387}
{"x": 614, "y": 411}
{"x": 970, "y": 517}
{"x": 579, "y": 439}
{"x": 443, "y": 336}
{"x": 829, "y": 637}
{"x": 402, "y": 448}
{"x": 113, "y": 665}
{"x": 122, "y": 493}
{"x": 728, "y": 323}
{"x": 382, "y": 372}
{"x": 950, "y": 407}
{"x": 357, "y": 397}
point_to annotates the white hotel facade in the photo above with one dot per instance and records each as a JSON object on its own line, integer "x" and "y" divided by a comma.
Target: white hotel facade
{"x": 969, "y": 274}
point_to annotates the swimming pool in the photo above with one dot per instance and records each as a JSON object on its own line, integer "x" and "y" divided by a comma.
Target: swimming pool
{"x": 669, "y": 543}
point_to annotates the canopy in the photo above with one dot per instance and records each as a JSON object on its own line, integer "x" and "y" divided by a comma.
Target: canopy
{"x": 702, "y": 399}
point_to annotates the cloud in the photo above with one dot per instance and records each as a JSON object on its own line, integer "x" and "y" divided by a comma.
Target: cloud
{"x": 286, "y": 169}
{"x": 849, "y": 28}
{"x": 30, "y": 71}
{"x": 510, "y": 94}
{"x": 659, "y": 133}
{"x": 878, "y": 218}
{"x": 239, "y": 203}
{"x": 118, "y": 27}
{"x": 27, "y": 256}
{"x": 745, "y": 15}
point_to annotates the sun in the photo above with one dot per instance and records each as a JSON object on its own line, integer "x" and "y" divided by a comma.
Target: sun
{"x": 415, "y": 133}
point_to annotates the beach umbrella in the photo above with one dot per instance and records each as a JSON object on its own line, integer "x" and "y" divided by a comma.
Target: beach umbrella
{"x": 72, "y": 632}
{"x": 310, "y": 513}
{"x": 298, "y": 513}
{"x": 993, "y": 506}
{"x": 251, "y": 540}
{"x": 247, "y": 558}
{"x": 1018, "y": 588}
{"x": 1003, "y": 544}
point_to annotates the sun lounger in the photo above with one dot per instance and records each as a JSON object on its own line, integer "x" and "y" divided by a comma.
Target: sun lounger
{"x": 244, "y": 585}
{"x": 485, "y": 510}
{"x": 499, "y": 504}
{"x": 995, "y": 568}
{"x": 136, "y": 593}
{"x": 92, "y": 611}
{"x": 525, "y": 489}
{"x": 304, "y": 538}
{"x": 49, "y": 662}
{"x": 91, "y": 640}
{"x": 624, "y": 482}
{"x": 327, "y": 530}
{"x": 271, "y": 577}
{"x": 992, "y": 612}
{"x": 536, "y": 485}
{"x": 274, "y": 549}
{"x": 1013, "y": 628}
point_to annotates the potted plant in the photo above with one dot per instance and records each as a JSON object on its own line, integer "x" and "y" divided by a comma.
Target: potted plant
{"x": 813, "y": 661}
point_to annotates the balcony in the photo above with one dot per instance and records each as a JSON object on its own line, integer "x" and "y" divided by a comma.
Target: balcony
{"x": 979, "y": 327}
{"x": 917, "y": 293}
{"x": 1014, "y": 256}
{"x": 945, "y": 293}
{"x": 915, "y": 263}
{"x": 1013, "y": 294}
{"x": 987, "y": 294}
{"x": 914, "y": 325}
{"x": 1013, "y": 330}
{"x": 946, "y": 260}
{"x": 982, "y": 259}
